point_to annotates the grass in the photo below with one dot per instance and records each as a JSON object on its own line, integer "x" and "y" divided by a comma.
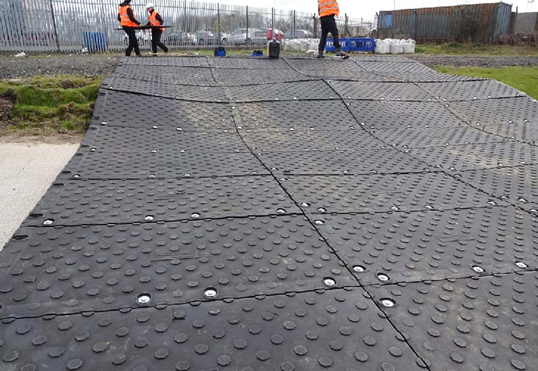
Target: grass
{"x": 521, "y": 78}
{"x": 50, "y": 104}
{"x": 456, "y": 48}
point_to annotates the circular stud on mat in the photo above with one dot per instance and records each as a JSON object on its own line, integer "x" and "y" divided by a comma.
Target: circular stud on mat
{"x": 328, "y": 281}
{"x": 387, "y": 303}
{"x": 143, "y": 299}
{"x": 383, "y": 277}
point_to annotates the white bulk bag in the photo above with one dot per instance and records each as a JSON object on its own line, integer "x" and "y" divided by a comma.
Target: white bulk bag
{"x": 396, "y": 48}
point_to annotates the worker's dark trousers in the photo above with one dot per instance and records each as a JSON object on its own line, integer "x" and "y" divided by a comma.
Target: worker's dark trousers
{"x": 133, "y": 42}
{"x": 328, "y": 25}
{"x": 156, "y": 41}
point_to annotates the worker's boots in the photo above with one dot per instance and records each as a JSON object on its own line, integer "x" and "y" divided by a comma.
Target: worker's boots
{"x": 340, "y": 53}
{"x": 320, "y": 55}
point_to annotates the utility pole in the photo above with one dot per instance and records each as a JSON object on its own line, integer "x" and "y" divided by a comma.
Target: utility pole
{"x": 294, "y": 24}
{"x": 218, "y": 23}
{"x": 185, "y": 16}
{"x": 273, "y": 23}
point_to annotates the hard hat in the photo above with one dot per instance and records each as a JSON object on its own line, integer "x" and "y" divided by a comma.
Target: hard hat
{"x": 150, "y": 5}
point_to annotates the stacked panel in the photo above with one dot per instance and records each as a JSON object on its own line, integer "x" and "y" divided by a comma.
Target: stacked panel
{"x": 291, "y": 214}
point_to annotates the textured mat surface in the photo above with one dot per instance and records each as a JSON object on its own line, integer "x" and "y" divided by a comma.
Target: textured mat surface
{"x": 292, "y": 214}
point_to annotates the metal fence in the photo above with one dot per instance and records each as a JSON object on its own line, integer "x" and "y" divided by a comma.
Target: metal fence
{"x": 90, "y": 25}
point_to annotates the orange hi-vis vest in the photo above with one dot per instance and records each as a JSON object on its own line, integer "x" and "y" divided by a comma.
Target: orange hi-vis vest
{"x": 328, "y": 7}
{"x": 125, "y": 20}
{"x": 153, "y": 21}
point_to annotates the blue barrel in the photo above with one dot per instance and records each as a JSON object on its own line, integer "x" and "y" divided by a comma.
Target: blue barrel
{"x": 94, "y": 41}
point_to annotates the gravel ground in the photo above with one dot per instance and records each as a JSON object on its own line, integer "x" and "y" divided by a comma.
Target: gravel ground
{"x": 13, "y": 68}
{"x": 475, "y": 61}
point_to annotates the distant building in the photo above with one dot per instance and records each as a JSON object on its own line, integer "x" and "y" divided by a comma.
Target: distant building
{"x": 484, "y": 23}
{"x": 527, "y": 24}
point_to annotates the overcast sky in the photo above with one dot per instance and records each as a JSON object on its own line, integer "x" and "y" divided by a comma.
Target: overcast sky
{"x": 367, "y": 9}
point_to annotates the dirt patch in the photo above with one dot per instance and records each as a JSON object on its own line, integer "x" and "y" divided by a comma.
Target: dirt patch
{"x": 65, "y": 84}
{"x": 29, "y": 136}
{"x": 7, "y": 101}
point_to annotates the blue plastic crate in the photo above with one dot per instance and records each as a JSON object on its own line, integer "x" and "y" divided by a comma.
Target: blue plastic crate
{"x": 363, "y": 45}
{"x": 355, "y": 44}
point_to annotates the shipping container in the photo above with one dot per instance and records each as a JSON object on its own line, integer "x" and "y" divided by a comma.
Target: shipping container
{"x": 484, "y": 23}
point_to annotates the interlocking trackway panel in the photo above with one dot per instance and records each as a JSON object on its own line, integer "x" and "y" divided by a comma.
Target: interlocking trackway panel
{"x": 292, "y": 214}
{"x": 335, "y": 330}
{"x": 77, "y": 202}
{"x": 109, "y": 266}
{"x": 469, "y": 324}
{"x": 420, "y": 246}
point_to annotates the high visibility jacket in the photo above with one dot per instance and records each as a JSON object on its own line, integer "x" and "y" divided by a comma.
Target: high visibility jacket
{"x": 153, "y": 21}
{"x": 328, "y": 7}
{"x": 124, "y": 17}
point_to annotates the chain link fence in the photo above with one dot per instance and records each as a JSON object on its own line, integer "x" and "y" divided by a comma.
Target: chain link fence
{"x": 91, "y": 25}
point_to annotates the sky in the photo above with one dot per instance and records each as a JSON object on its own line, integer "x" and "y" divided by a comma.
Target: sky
{"x": 367, "y": 9}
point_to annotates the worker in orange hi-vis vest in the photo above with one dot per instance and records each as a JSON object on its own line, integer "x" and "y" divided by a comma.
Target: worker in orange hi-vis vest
{"x": 328, "y": 10}
{"x": 156, "y": 22}
{"x": 129, "y": 24}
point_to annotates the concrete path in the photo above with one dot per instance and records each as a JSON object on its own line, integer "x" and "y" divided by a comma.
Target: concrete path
{"x": 26, "y": 172}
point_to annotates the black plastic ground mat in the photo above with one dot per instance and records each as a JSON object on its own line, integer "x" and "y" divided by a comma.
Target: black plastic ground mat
{"x": 341, "y": 162}
{"x": 380, "y": 91}
{"x": 399, "y": 115}
{"x": 78, "y": 202}
{"x": 167, "y": 90}
{"x": 141, "y": 111}
{"x": 517, "y": 185}
{"x": 354, "y": 74}
{"x": 293, "y": 214}
{"x": 382, "y": 193}
{"x": 334, "y": 69}
{"x": 478, "y": 156}
{"x": 305, "y": 90}
{"x": 481, "y": 323}
{"x": 470, "y": 90}
{"x": 170, "y": 75}
{"x": 262, "y": 64}
{"x": 434, "y": 137}
{"x": 293, "y": 115}
{"x": 311, "y": 140}
{"x": 501, "y": 112}
{"x": 407, "y": 71}
{"x": 433, "y": 245}
{"x": 148, "y": 140}
{"x": 335, "y": 329}
{"x": 238, "y": 77}
{"x": 511, "y": 118}
{"x": 144, "y": 165}
{"x": 109, "y": 267}
{"x": 307, "y": 64}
